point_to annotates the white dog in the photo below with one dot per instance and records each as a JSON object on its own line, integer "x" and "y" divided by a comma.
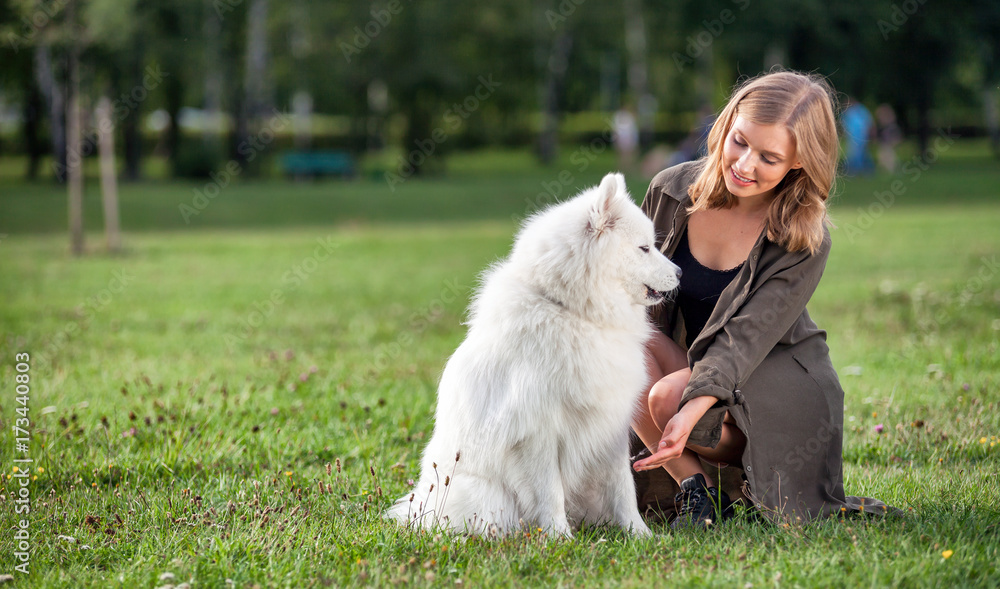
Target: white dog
{"x": 534, "y": 407}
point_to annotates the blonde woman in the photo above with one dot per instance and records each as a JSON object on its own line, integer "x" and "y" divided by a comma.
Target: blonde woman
{"x": 740, "y": 374}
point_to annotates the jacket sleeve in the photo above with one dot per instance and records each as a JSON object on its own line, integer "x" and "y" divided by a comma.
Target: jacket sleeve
{"x": 749, "y": 335}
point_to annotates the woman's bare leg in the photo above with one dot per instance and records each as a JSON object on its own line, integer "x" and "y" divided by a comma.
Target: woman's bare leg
{"x": 663, "y": 357}
{"x": 667, "y": 364}
{"x": 669, "y": 375}
{"x": 729, "y": 450}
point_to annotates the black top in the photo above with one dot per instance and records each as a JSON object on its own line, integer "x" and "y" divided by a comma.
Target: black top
{"x": 699, "y": 290}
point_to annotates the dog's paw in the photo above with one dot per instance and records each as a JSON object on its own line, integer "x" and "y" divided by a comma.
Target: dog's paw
{"x": 640, "y": 530}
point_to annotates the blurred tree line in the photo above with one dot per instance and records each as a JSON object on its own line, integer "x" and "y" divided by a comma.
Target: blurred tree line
{"x": 433, "y": 76}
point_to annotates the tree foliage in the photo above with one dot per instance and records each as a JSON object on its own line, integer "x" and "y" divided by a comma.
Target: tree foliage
{"x": 408, "y": 72}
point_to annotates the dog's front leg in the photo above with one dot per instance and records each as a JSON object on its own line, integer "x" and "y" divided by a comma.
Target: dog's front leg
{"x": 544, "y": 500}
{"x": 621, "y": 492}
{"x": 555, "y": 511}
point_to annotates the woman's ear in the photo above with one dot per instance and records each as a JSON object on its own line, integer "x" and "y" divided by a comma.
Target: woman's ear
{"x": 796, "y": 166}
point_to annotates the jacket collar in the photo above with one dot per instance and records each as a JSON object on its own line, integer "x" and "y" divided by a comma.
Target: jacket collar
{"x": 676, "y": 185}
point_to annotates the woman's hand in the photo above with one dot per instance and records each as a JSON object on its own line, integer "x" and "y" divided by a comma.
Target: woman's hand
{"x": 676, "y": 433}
{"x": 672, "y": 443}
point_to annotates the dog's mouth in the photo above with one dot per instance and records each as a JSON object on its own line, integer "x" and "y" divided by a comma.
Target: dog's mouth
{"x": 653, "y": 294}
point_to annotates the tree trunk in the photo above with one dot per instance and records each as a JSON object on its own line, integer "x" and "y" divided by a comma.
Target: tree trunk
{"x": 419, "y": 113}
{"x": 238, "y": 133}
{"x": 255, "y": 82}
{"x": 548, "y": 140}
{"x": 109, "y": 184}
{"x": 638, "y": 71}
{"x": 302, "y": 101}
{"x": 255, "y": 74}
{"x": 991, "y": 114}
{"x": 131, "y": 132}
{"x": 212, "y": 30}
{"x": 923, "y": 123}
{"x": 302, "y": 109}
{"x": 174, "y": 95}
{"x": 33, "y": 108}
{"x": 52, "y": 90}
{"x": 74, "y": 147}
{"x": 378, "y": 105}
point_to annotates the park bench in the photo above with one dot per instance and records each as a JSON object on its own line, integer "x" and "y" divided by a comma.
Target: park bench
{"x": 318, "y": 163}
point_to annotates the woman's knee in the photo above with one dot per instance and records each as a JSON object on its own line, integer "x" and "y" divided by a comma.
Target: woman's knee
{"x": 664, "y": 399}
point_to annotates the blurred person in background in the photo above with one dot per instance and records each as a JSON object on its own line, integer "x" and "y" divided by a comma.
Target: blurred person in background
{"x": 693, "y": 146}
{"x": 889, "y": 136}
{"x": 859, "y": 129}
{"x": 626, "y": 138}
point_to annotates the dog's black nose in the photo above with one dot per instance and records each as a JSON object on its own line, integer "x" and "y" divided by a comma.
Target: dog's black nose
{"x": 679, "y": 273}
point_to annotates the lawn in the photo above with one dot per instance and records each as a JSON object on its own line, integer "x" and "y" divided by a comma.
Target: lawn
{"x": 235, "y": 400}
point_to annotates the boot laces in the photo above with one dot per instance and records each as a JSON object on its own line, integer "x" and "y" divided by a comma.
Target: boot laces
{"x": 693, "y": 501}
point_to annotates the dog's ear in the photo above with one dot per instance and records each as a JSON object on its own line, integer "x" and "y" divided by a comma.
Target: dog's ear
{"x": 608, "y": 207}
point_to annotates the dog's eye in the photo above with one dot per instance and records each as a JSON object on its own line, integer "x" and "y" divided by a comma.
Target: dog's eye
{"x": 644, "y": 248}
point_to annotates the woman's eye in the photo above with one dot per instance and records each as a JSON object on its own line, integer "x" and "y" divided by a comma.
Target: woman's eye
{"x": 766, "y": 161}
{"x": 644, "y": 248}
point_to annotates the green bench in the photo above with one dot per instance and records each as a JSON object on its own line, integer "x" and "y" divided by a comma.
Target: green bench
{"x": 313, "y": 164}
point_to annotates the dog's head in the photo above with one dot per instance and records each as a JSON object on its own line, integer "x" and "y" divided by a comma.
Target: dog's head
{"x": 595, "y": 252}
{"x": 626, "y": 238}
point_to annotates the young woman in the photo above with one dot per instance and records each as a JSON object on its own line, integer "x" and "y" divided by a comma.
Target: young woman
{"x": 755, "y": 386}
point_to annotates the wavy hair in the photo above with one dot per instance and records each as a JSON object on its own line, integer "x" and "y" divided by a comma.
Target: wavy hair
{"x": 804, "y": 104}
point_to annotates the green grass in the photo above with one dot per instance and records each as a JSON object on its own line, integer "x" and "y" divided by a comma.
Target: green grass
{"x": 188, "y": 396}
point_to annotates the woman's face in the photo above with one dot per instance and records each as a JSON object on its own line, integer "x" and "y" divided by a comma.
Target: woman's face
{"x": 756, "y": 157}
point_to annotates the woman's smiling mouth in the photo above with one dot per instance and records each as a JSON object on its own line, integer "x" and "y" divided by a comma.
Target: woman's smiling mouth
{"x": 741, "y": 180}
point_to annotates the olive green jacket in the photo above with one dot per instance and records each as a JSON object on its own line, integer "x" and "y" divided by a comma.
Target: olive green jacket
{"x": 768, "y": 365}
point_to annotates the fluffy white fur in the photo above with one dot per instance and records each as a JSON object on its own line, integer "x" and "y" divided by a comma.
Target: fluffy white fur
{"x": 534, "y": 407}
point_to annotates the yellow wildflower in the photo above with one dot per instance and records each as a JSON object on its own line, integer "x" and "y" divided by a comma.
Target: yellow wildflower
{"x": 947, "y": 553}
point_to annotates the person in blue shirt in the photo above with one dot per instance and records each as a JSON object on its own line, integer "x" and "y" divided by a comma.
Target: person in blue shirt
{"x": 859, "y": 127}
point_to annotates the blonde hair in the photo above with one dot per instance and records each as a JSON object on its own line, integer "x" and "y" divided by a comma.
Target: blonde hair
{"x": 804, "y": 104}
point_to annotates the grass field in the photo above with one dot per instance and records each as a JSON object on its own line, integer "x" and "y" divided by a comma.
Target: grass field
{"x": 238, "y": 398}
